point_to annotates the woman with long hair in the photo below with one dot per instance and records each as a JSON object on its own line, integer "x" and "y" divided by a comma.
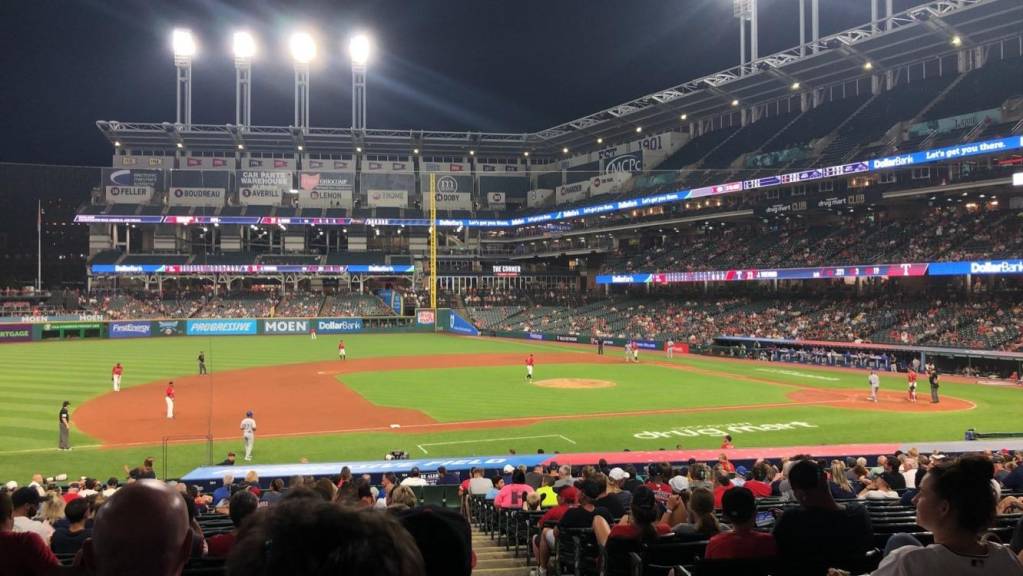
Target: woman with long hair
{"x": 641, "y": 523}
{"x": 700, "y": 519}
{"x": 839, "y": 484}
{"x": 956, "y": 503}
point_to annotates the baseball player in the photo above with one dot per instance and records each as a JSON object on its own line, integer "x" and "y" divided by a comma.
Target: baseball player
{"x": 529, "y": 368}
{"x": 635, "y": 352}
{"x": 312, "y": 333}
{"x": 248, "y": 428}
{"x": 875, "y": 384}
{"x": 202, "y": 362}
{"x": 628, "y": 351}
{"x": 911, "y": 381}
{"x": 341, "y": 350}
{"x": 64, "y": 418}
{"x": 115, "y": 376}
{"x": 168, "y": 397}
{"x": 669, "y": 349}
{"x": 600, "y": 346}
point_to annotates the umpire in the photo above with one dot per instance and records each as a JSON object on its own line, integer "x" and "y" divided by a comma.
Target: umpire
{"x": 65, "y": 427}
{"x": 933, "y": 379}
{"x": 202, "y": 363}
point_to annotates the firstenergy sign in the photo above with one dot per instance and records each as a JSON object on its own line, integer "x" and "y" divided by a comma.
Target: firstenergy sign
{"x": 718, "y": 430}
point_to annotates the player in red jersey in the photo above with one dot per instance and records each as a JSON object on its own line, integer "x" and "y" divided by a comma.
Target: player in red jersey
{"x": 911, "y": 381}
{"x": 115, "y": 376}
{"x": 529, "y": 367}
{"x": 341, "y": 350}
{"x": 168, "y": 397}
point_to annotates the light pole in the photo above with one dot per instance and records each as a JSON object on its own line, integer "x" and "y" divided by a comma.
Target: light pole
{"x": 358, "y": 51}
{"x": 244, "y": 50}
{"x": 184, "y": 48}
{"x": 303, "y": 50}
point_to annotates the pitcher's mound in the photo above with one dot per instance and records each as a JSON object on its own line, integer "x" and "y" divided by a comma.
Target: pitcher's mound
{"x": 574, "y": 383}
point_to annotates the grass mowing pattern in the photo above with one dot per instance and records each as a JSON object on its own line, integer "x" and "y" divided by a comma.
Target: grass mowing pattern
{"x": 35, "y": 378}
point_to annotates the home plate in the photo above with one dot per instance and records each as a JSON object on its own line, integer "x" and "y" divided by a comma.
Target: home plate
{"x": 395, "y": 425}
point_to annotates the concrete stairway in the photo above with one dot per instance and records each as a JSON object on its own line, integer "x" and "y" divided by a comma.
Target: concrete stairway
{"x": 494, "y": 560}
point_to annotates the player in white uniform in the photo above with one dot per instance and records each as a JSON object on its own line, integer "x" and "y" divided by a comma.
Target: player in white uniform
{"x": 875, "y": 384}
{"x": 669, "y": 349}
{"x": 248, "y": 428}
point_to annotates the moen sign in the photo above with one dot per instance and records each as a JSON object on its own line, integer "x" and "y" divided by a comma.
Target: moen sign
{"x": 285, "y": 326}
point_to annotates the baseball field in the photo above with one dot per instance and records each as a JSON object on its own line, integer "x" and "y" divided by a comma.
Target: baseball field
{"x": 439, "y": 395}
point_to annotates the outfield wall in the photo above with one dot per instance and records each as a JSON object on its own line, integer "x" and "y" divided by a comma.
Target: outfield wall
{"x": 124, "y": 329}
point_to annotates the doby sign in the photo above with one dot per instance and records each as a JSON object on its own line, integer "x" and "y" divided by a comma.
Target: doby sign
{"x": 718, "y": 430}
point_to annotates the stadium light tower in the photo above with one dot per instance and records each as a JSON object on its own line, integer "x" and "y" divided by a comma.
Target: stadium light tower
{"x": 303, "y": 51}
{"x": 359, "y": 48}
{"x": 184, "y": 48}
{"x": 746, "y": 10}
{"x": 244, "y": 50}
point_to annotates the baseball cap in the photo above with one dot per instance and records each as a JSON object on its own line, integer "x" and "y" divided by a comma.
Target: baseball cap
{"x": 508, "y": 468}
{"x": 741, "y": 470}
{"x": 617, "y": 474}
{"x": 249, "y": 413}
{"x": 569, "y": 494}
{"x": 11, "y": 486}
{"x": 679, "y": 483}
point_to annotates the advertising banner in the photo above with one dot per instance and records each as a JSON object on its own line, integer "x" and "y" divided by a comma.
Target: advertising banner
{"x": 338, "y": 325}
{"x": 608, "y": 183}
{"x": 539, "y": 197}
{"x": 262, "y": 188}
{"x": 286, "y": 326}
{"x": 985, "y": 268}
{"x": 460, "y": 325}
{"x": 571, "y": 192}
{"x": 130, "y": 329}
{"x": 154, "y": 162}
{"x": 210, "y": 197}
{"x": 220, "y": 327}
{"x": 342, "y": 165}
{"x": 168, "y": 328}
{"x": 501, "y": 169}
{"x": 426, "y": 317}
{"x": 15, "y": 333}
{"x": 387, "y": 198}
{"x": 453, "y": 200}
{"x": 132, "y": 186}
{"x": 496, "y": 200}
{"x": 325, "y": 190}
{"x": 629, "y": 163}
{"x": 207, "y": 163}
{"x": 274, "y": 163}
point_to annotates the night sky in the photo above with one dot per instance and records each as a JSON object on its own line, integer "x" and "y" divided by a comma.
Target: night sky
{"x": 487, "y": 65}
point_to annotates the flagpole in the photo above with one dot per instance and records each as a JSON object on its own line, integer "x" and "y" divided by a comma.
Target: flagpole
{"x": 39, "y": 243}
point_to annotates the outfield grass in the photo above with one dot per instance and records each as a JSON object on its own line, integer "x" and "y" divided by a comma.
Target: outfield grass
{"x": 35, "y": 378}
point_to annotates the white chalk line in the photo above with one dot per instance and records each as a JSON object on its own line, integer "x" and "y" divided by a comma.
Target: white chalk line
{"x": 421, "y": 446}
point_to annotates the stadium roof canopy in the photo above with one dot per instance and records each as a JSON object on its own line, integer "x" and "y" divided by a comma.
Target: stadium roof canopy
{"x": 921, "y": 33}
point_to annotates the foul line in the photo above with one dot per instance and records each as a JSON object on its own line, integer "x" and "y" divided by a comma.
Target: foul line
{"x": 420, "y": 446}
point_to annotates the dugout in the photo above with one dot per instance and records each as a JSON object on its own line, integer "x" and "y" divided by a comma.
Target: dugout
{"x": 71, "y": 330}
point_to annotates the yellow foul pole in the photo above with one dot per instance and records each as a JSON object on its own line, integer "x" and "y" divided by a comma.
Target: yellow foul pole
{"x": 433, "y": 242}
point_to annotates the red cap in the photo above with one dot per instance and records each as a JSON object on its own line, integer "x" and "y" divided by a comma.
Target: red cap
{"x": 569, "y": 494}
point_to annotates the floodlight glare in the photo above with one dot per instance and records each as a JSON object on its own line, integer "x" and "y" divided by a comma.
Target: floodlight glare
{"x": 735, "y": 102}
{"x": 180, "y": 145}
{"x": 241, "y": 147}
{"x": 358, "y": 49}
{"x": 300, "y": 148}
{"x": 795, "y": 85}
{"x": 183, "y": 42}
{"x": 358, "y": 149}
{"x": 600, "y": 140}
{"x": 117, "y": 144}
{"x": 683, "y": 116}
{"x": 415, "y": 150}
{"x": 957, "y": 41}
{"x": 868, "y": 66}
{"x": 564, "y": 150}
{"x": 303, "y": 47}
{"x": 526, "y": 154}
{"x": 472, "y": 152}
{"x": 639, "y": 129}
{"x": 244, "y": 45}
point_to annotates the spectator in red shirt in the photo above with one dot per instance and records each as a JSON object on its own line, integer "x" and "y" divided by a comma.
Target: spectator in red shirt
{"x": 243, "y": 503}
{"x": 726, "y": 442}
{"x": 22, "y": 552}
{"x": 725, "y": 464}
{"x": 641, "y": 523}
{"x": 543, "y": 544}
{"x": 658, "y": 475}
{"x": 722, "y": 484}
{"x": 759, "y": 485}
{"x": 740, "y": 507}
